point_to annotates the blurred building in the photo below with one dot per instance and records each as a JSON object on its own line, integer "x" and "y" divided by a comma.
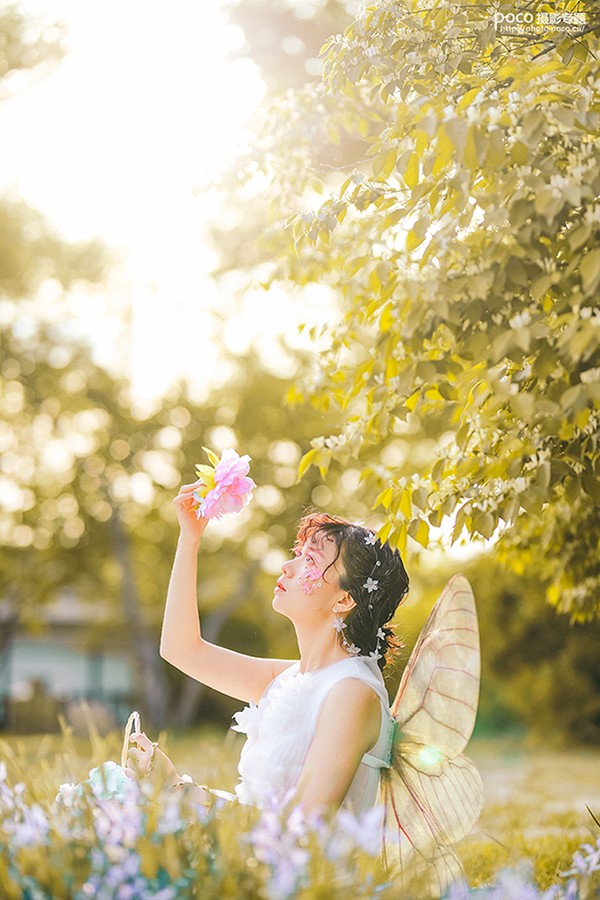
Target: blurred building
{"x": 71, "y": 656}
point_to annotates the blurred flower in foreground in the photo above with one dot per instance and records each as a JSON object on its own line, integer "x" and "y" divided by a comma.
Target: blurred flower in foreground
{"x": 226, "y": 486}
{"x": 109, "y": 780}
{"x": 108, "y": 838}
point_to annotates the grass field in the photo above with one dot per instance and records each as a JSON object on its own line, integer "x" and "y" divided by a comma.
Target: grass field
{"x": 535, "y": 807}
{"x": 535, "y": 800}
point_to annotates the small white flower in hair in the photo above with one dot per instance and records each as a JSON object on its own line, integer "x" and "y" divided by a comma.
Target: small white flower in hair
{"x": 374, "y": 654}
{"x": 371, "y": 584}
{"x": 371, "y": 538}
{"x": 353, "y": 649}
{"x": 381, "y": 635}
{"x": 339, "y": 624}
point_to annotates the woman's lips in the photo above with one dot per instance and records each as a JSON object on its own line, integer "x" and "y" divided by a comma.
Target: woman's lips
{"x": 280, "y": 586}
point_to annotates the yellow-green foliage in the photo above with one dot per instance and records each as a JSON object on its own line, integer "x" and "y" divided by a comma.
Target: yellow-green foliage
{"x": 443, "y": 181}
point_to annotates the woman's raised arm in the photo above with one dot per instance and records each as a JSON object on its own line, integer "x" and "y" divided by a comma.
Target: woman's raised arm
{"x": 182, "y": 645}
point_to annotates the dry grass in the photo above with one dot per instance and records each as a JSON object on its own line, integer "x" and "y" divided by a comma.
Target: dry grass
{"x": 535, "y": 804}
{"x": 535, "y": 809}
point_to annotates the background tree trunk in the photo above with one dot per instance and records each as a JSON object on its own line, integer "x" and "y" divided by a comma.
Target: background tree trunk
{"x": 150, "y": 681}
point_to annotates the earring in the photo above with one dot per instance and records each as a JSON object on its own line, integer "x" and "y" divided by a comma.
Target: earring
{"x": 338, "y": 623}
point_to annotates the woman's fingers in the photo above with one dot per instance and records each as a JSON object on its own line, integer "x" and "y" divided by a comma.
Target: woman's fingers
{"x": 139, "y": 760}
{"x": 183, "y": 499}
{"x": 190, "y": 488}
{"x": 144, "y": 749}
{"x": 138, "y": 737}
{"x": 136, "y": 754}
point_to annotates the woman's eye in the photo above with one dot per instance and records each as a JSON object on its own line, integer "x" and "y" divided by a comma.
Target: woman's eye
{"x": 309, "y": 559}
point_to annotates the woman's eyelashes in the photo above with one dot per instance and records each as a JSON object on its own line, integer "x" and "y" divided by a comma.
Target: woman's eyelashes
{"x": 308, "y": 557}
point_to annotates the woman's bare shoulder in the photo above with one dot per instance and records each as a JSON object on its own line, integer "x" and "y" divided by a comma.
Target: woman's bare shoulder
{"x": 353, "y": 699}
{"x": 354, "y": 689}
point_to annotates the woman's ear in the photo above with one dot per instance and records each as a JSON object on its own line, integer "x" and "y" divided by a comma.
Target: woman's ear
{"x": 344, "y": 603}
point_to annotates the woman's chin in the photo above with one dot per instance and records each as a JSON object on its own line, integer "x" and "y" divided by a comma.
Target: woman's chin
{"x": 277, "y": 604}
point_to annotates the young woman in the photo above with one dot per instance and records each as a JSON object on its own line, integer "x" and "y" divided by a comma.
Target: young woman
{"x": 319, "y": 728}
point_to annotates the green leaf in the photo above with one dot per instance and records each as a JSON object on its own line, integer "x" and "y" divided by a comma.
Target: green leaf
{"x": 384, "y": 164}
{"x": 419, "y": 530}
{"x": 306, "y": 461}
{"x": 411, "y": 176}
{"x": 213, "y": 457}
{"x": 573, "y": 398}
{"x": 384, "y": 532}
{"x": 399, "y": 537}
{"x": 413, "y": 240}
{"x": 590, "y": 271}
{"x": 592, "y": 487}
{"x": 384, "y": 498}
{"x": 519, "y": 153}
{"x": 467, "y": 98}
{"x": 524, "y": 405}
{"x": 579, "y": 236}
{"x": 540, "y": 287}
{"x": 484, "y": 523}
{"x": 374, "y": 282}
{"x": 572, "y": 489}
{"x": 405, "y": 506}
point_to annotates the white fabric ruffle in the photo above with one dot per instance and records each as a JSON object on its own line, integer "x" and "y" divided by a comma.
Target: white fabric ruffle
{"x": 280, "y": 728}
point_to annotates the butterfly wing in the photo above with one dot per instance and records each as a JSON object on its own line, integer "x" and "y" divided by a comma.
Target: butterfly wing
{"x": 437, "y": 699}
{"x": 426, "y": 813}
{"x": 432, "y": 792}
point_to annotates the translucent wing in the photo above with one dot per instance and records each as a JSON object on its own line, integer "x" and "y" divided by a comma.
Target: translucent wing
{"x": 432, "y": 792}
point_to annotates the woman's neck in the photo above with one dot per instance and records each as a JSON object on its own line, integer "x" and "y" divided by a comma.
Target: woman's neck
{"x": 319, "y": 649}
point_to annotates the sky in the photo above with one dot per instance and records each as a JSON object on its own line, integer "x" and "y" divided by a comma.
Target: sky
{"x": 119, "y": 142}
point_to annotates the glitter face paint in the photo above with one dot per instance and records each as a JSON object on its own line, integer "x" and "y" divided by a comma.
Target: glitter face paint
{"x": 309, "y": 578}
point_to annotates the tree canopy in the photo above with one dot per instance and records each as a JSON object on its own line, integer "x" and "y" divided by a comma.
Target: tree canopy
{"x": 462, "y": 242}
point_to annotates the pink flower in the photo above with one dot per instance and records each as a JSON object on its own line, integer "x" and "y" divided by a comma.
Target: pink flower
{"x": 232, "y": 487}
{"x": 231, "y": 466}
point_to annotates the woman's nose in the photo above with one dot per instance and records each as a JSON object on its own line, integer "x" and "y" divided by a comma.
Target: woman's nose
{"x": 285, "y": 565}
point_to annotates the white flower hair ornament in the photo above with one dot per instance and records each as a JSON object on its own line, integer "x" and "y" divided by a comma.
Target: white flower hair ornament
{"x": 431, "y": 791}
{"x": 371, "y": 585}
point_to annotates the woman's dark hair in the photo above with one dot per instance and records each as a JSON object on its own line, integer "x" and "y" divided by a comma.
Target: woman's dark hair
{"x": 362, "y": 557}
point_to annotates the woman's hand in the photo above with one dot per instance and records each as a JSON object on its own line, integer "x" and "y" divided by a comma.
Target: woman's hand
{"x": 191, "y": 526}
{"x": 148, "y": 761}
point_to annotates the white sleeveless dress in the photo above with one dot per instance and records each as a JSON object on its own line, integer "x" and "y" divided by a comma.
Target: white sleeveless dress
{"x": 281, "y": 727}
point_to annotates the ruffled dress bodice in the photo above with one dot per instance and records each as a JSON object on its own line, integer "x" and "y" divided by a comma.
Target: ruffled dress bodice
{"x": 281, "y": 727}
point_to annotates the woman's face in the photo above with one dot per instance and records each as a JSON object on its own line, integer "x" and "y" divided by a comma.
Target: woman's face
{"x": 301, "y": 592}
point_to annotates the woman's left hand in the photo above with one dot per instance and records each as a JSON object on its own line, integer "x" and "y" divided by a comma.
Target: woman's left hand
{"x": 147, "y": 760}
